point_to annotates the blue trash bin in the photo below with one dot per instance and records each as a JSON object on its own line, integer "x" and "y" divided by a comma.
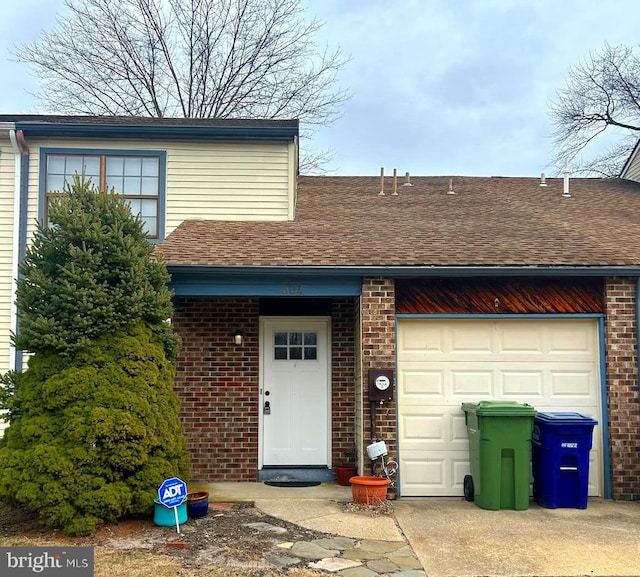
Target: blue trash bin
{"x": 560, "y": 446}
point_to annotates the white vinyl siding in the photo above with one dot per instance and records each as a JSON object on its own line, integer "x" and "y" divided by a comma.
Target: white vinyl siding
{"x": 633, "y": 170}
{"x": 7, "y": 186}
{"x": 227, "y": 181}
{"x": 204, "y": 181}
{"x": 552, "y": 364}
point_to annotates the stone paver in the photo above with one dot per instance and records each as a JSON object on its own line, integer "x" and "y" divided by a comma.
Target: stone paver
{"x": 381, "y": 546}
{"x": 348, "y": 557}
{"x": 337, "y": 543}
{"x": 308, "y": 550}
{"x": 360, "y": 554}
{"x": 282, "y": 561}
{"x": 266, "y": 527}
{"x": 383, "y": 566}
{"x": 406, "y": 562}
{"x": 334, "y": 564}
{"x": 358, "y": 572}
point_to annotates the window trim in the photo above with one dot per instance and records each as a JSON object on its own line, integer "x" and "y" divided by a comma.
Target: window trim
{"x": 161, "y": 155}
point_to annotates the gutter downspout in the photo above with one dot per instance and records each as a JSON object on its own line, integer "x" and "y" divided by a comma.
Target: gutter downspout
{"x": 15, "y": 244}
{"x": 20, "y": 231}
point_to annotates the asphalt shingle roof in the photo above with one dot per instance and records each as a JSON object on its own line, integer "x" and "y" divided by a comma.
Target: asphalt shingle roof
{"x": 489, "y": 221}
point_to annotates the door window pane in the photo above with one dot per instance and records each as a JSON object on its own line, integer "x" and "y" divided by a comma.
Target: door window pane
{"x": 288, "y": 346}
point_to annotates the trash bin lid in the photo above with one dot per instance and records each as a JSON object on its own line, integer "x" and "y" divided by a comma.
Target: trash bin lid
{"x": 500, "y": 409}
{"x": 565, "y": 418}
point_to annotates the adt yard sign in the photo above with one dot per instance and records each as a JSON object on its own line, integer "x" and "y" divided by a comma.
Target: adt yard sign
{"x": 172, "y": 492}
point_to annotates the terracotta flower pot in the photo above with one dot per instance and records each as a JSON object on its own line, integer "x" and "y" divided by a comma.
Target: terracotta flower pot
{"x": 369, "y": 490}
{"x": 344, "y": 473}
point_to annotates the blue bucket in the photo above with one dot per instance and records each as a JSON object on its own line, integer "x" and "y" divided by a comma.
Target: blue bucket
{"x": 165, "y": 517}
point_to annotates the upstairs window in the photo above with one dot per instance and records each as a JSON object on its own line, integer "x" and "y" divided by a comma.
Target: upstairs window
{"x": 136, "y": 176}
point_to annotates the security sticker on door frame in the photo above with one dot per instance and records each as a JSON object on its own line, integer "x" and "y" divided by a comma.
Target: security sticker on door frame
{"x": 380, "y": 385}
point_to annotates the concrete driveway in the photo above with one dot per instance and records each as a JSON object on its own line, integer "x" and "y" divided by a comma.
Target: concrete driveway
{"x": 454, "y": 538}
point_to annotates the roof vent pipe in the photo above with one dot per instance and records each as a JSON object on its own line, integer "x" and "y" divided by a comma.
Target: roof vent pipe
{"x": 565, "y": 192}
{"x": 450, "y": 191}
{"x": 407, "y": 180}
{"x": 381, "y": 193}
{"x": 395, "y": 183}
{"x": 543, "y": 180}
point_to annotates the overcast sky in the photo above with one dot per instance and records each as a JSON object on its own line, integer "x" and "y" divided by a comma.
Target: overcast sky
{"x": 440, "y": 87}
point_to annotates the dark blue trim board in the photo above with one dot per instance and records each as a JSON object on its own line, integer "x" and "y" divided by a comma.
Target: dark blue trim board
{"x": 146, "y": 132}
{"x": 604, "y": 405}
{"x": 264, "y": 286}
{"x": 408, "y": 271}
{"x": 604, "y": 424}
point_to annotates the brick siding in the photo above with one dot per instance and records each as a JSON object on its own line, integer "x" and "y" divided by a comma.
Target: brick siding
{"x": 622, "y": 385}
{"x": 217, "y": 383}
{"x": 378, "y": 352}
{"x": 343, "y": 393}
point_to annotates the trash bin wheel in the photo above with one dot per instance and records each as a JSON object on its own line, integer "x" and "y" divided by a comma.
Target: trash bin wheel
{"x": 468, "y": 488}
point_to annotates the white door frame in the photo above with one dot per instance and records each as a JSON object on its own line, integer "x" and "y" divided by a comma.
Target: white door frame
{"x": 261, "y": 399}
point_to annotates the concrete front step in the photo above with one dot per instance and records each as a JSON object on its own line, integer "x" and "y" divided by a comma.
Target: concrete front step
{"x": 319, "y": 474}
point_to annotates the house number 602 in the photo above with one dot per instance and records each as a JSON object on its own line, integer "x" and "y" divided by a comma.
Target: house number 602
{"x": 291, "y": 289}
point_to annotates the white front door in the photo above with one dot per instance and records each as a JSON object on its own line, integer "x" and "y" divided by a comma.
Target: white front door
{"x": 295, "y": 392}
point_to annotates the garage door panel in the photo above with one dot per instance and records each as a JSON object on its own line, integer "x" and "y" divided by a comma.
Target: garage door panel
{"x": 570, "y": 338}
{"x": 551, "y": 364}
{"x": 574, "y": 384}
{"x": 470, "y": 383}
{"x": 434, "y": 428}
{"x": 425, "y": 475}
{"x": 434, "y": 475}
{"x": 471, "y": 339}
{"x": 517, "y": 339}
{"x": 422, "y": 342}
{"x": 416, "y": 383}
{"x": 516, "y": 384}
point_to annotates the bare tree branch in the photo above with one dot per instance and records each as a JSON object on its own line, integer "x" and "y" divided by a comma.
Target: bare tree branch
{"x": 189, "y": 58}
{"x": 601, "y": 95}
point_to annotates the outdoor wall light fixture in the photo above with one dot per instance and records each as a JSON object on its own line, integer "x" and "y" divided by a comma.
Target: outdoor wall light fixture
{"x": 238, "y": 338}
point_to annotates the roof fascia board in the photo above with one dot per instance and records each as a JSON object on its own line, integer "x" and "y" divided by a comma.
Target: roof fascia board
{"x": 417, "y": 271}
{"x": 133, "y": 131}
{"x": 260, "y": 286}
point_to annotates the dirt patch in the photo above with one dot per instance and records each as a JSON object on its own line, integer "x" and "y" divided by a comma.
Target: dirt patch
{"x": 222, "y": 539}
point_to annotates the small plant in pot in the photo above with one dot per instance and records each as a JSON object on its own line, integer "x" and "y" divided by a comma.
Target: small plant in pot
{"x": 346, "y": 469}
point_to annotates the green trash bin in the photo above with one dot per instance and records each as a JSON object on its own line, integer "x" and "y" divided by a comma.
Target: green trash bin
{"x": 499, "y": 453}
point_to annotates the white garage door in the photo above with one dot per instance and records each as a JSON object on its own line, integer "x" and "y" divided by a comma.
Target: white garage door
{"x": 552, "y": 364}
